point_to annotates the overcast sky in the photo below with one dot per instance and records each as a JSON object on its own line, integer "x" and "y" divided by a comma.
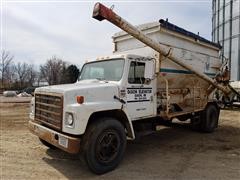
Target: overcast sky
{"x": 35, "y": 31}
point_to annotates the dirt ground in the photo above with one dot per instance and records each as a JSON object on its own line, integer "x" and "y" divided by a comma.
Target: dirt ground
{"x": 171, "y": 153}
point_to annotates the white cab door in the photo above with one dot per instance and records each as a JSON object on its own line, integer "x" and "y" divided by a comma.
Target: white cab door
{"x": 139, "y": 94}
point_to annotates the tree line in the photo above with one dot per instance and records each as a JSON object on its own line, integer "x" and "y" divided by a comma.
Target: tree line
{"x": 21, "y": 75}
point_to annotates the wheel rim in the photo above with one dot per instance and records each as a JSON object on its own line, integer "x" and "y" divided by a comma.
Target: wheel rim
{"x": 107, "y": 147}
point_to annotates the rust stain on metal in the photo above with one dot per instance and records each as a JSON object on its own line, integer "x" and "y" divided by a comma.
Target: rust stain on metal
{"x": 51, "y": 136}
{"x": 101, "y": 12}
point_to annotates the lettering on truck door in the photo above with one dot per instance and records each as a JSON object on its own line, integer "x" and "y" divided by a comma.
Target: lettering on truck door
{"x": 139, "y": 94}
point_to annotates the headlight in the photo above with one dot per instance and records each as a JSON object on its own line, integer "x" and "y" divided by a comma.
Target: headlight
{"x": 69, "y": 120}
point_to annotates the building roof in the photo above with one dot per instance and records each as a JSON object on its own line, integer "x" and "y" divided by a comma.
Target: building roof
{"x": 172, "y": 27}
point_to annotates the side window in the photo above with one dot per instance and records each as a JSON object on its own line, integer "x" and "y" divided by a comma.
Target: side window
{"x": 136, "y": 73}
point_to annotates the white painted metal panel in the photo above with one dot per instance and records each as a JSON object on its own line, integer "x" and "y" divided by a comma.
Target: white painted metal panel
{"x": 200, "y": 55}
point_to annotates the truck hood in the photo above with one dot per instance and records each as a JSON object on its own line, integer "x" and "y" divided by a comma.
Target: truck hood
{"x": 92, "y": 90}
{"x": 85, "y": 84}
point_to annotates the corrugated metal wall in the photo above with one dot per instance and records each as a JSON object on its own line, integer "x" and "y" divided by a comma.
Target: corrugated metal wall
{"x": 226, "y": 31}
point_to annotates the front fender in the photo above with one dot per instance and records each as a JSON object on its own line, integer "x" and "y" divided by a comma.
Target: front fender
{"x": 82, "y": 113}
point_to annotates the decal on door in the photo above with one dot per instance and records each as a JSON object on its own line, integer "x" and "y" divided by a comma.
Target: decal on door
{"x": 138, "y": 94}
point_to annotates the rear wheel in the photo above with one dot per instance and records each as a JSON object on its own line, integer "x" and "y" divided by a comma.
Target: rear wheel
{"x": 207, "y": 121}
{"x": 104, "y": 145}
{"x": 210, "y": 119}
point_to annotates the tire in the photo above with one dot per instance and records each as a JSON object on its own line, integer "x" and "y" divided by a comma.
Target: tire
{"x": 210, "y": 119}
{"x": 104, "y": 144}
{"x": 207, "y": 120}
{"x": 47, "y": 144}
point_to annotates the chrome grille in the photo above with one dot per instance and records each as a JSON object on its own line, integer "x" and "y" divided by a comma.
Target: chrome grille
{"x": 48, "y": 109}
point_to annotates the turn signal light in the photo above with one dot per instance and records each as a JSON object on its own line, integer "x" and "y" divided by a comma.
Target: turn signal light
{"x": 80, "y": 99}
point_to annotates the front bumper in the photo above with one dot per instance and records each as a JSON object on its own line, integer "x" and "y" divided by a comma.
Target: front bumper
{"x": 62, "y": 141}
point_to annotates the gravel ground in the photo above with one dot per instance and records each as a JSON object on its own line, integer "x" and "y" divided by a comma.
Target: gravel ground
{"x": 170, "y": 153}
{"x": 15, "y": 99}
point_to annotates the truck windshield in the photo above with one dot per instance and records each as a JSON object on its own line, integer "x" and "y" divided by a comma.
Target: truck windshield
{"x": 109, "y": 70}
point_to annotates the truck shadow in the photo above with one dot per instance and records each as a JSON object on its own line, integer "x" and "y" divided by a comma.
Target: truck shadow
{"x": 179, "y": 138}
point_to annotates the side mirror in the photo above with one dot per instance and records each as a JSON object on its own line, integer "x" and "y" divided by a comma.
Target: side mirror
{"x": 149, "y": 70}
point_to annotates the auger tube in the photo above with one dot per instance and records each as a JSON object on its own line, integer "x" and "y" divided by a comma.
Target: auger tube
{"x": 101, "y": 12}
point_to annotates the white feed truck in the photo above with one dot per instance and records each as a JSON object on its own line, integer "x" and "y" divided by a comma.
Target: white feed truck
{"x": 157, "y": 72}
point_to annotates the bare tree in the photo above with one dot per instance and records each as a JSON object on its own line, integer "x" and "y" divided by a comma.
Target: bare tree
{"x": 25, "y": 74}
{"x": 10, "y": 76}
{"x": 22, "y": 73}
{"x": 32, "y": 74}
{"x": 52, "y": 70}
{"x": 5, "y": 65}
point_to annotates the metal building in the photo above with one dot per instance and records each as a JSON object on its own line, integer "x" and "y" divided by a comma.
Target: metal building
{"x": 226, "y": 31}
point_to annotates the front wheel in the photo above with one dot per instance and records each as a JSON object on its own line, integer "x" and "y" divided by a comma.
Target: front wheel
{"x": 104, "y": 145}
